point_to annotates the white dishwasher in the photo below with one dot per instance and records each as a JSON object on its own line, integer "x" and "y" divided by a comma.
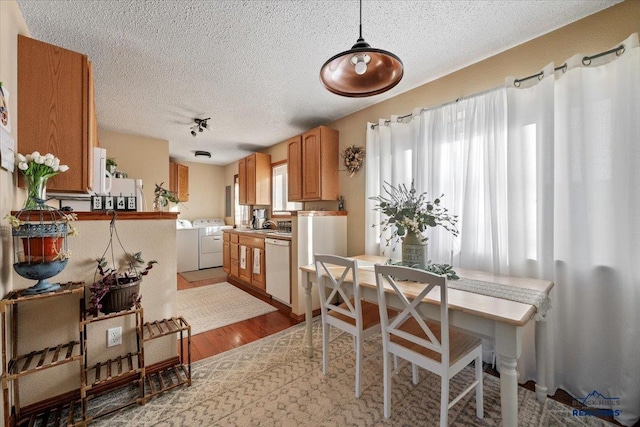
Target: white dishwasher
{"x": 278, "y": 272}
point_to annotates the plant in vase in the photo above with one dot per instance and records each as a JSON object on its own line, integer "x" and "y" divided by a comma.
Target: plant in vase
{"x": 111, "y": 165}
{"x": 118, "y": 289}
{"x": 162, "y": 197}
{"x": 408, "y": 215}
{"x": 37, "y": 169}
{"x": 40, "y": 245}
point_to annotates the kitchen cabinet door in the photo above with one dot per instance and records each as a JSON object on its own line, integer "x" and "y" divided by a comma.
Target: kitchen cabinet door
{"x": 183, "y": 183}
{"x": 242, "y": 181}
{"x": 226, "y": 257}
{"x": 56, "y": 110}
{"x": 312, "y": 163}
{"x": 251, "y": 180}
{"x": 311, "y": 151}
{"x": 179, "y": 180}
{"x": 244, "y": 272}
{"x": 258, "y": 279}
{"x": 234, "y": 252}
{"x": 294, "y": 168}
{"x": 254, "y": 179}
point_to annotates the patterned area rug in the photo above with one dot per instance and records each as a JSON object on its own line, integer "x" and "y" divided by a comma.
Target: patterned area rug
{"x": 213, "y": 306}
{"x": 271, "y": 382}
{"x": 207, "y": 273}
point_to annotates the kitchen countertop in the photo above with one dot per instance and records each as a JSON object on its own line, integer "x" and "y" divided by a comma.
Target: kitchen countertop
{"x": 274, "y": 234}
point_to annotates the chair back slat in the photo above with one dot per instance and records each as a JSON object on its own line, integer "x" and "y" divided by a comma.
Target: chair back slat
{"x": 410, "y": 310}
{"x": 393, "y": 275}
{"x": 344, "y": 286}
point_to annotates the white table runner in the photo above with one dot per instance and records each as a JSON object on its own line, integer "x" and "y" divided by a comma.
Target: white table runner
{"x": 539, "y": 299}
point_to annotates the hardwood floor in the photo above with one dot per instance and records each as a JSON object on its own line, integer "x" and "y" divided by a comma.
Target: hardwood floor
{"x": 219, "y": 340}
{"x": 228, "y": 337}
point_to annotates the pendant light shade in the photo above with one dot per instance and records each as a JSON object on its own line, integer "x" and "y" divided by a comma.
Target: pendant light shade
{"x": 362, "y": 70}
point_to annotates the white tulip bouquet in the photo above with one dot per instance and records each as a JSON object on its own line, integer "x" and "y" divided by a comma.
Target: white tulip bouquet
{"x": 39, "y": 166}
{"x": 37, "y": 169}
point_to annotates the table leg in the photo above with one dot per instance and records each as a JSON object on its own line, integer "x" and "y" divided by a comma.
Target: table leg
{"x": 541, "y": 359}
{"x": 509, "y": 391}
{"x": 308, "y": 313}
{"x": 508, "y": 348}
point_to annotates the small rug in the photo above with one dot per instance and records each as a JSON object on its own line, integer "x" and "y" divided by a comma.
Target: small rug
{"x": 207, "y": 273}
{"x": 213, "y": 306}
{"x": 271, "y": 382}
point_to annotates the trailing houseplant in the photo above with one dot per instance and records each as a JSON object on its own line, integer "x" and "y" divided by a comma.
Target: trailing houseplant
{"x": 110, "y": 279}
{"x": 116, "y": 289}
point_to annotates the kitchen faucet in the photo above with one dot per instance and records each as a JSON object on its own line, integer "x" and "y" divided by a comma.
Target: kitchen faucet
{"x": 268, "y": 223}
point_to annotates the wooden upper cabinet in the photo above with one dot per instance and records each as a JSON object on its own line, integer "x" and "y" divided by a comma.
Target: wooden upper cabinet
{"x": 251, "y": 180}
{"x": 242, "y": 181}
{"x": 179, "y": 180}
{"x": 254, "y": 179}
{"x": 315, "y": 175}
{"x": 294, "y": 168}
{"x": 57, "y": 110}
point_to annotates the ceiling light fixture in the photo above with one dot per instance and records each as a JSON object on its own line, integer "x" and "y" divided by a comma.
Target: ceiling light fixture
{"x": 362, "y": 70}
{"x": 200, "y": 125}
{"x": 200, "y": 153}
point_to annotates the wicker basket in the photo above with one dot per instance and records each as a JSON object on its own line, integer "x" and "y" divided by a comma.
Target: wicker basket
{"x": 120, "y": 298}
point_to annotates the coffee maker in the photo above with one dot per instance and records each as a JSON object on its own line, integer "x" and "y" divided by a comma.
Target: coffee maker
{"x": 258, "y": 218}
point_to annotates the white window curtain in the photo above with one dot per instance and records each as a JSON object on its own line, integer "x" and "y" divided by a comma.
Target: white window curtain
{"x": 450, "y": 150}
{"x": 546, "y": 180}
{"x": 597, "y": 229}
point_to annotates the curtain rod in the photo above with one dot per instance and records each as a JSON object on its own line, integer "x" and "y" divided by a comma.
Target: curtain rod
{"x": 400, "y": 118}
{"x": 586, "y": 61}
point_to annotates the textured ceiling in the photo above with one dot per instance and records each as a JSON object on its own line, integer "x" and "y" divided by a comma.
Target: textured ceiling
{"x": 253, "y": 66}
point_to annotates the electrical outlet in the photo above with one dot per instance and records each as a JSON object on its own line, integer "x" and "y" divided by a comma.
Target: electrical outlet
{"x": 114, "y": 336}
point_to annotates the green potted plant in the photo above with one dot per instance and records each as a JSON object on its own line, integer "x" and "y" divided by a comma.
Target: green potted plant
{"x": 408, "y": 215}
{"x": 111, "y": 165}
{"x": 162, "y": 197}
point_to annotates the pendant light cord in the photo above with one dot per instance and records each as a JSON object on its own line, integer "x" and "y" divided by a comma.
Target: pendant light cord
{"x": 360, "y": 19}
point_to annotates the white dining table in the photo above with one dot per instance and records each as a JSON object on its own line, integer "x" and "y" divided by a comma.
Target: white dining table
{"x": 497, "y": 319}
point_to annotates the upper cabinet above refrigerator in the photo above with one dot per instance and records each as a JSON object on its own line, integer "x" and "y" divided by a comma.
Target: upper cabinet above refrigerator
{"x": 312, "y": 160}
{"x": 57, "y": 110}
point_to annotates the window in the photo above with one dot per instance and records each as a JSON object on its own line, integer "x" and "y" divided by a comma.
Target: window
{"x": 241, "y": 212}
{"x": 280, "y": 205}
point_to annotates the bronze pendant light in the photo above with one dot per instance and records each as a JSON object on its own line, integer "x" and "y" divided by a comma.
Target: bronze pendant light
{"x": 362, "y": 70}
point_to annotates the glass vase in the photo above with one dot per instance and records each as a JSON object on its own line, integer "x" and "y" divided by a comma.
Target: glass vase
{"x": 36, "y": 192}
{"x": 414, "y": 251}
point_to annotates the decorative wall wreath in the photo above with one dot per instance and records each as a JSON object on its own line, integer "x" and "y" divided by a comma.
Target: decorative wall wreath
{"x": 353, "y": 158}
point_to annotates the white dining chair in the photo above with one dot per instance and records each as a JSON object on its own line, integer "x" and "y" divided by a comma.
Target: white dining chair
{"x": 428, "y": 344}
{"x": 349, "y": 312}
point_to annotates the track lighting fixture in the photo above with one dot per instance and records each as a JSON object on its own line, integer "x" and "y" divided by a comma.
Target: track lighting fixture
{"x": 200, "y": 125}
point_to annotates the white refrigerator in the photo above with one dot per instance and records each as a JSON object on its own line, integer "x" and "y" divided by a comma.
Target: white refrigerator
{"x": 314, "y": 232}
